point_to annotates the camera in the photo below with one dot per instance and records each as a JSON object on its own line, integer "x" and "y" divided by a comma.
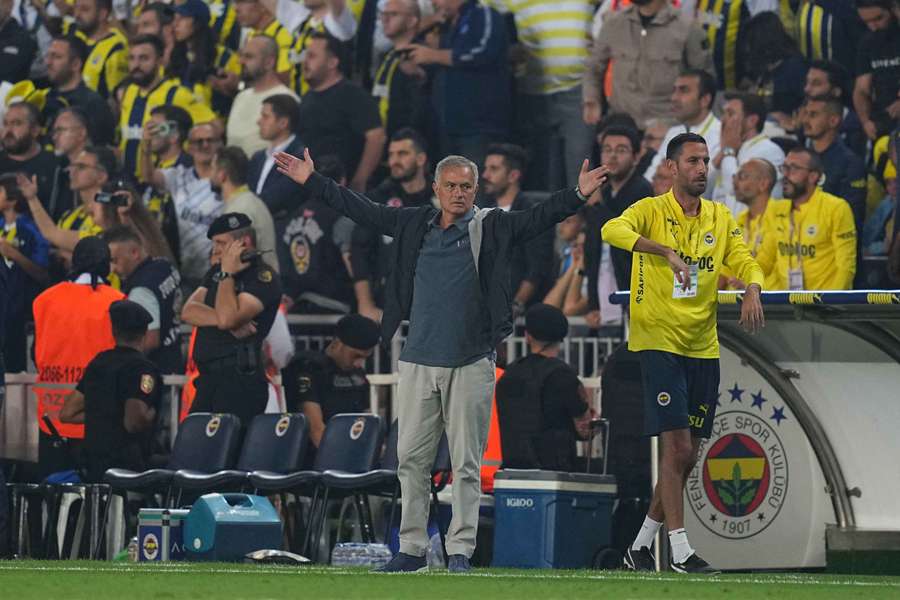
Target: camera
{"x": 111, "y": 198}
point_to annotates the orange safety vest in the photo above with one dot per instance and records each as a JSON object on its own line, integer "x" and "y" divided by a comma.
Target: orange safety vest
{"x": 71, "y": 326}
{"x": 493, "y": 452}
{"x": 189, "y": 391}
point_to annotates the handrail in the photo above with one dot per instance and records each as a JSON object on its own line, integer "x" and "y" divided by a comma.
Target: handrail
{"x": 799, "y": 297}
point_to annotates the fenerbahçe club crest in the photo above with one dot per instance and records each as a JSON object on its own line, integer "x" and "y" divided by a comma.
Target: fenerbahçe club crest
{"x": 740, "y": 481}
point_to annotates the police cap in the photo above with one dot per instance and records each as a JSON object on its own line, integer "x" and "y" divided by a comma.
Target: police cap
{"x": 358, "y": 332}
{"x": 91, "y": 255}
{"x": 546, "y": 323}
{"x": 227, "y": 223}
{"x": 126, "y": 315}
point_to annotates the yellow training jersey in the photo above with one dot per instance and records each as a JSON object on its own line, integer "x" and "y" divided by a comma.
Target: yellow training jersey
{"x": 707, "y": 242}
{"x": 107, "y": 63}
{"x": 136, "y": 107}
{"x": 818, "y": 237}
{"x": 752, "y": 228}
{"x": 285, "y": 41}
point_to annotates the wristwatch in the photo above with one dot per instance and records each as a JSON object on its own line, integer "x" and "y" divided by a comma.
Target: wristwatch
{"x": 728, "y": 152}
{"x": 578, "y": 193}
{"x": 221, "y": 276}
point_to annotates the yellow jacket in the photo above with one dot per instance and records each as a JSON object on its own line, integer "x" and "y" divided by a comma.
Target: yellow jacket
{"x": 818, "y": 237}
{"x": 711, "y": 240}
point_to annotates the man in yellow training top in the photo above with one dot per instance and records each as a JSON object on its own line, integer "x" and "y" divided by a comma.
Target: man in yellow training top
{"x": 810, "y": 238}
{"x": 681, "y": 242}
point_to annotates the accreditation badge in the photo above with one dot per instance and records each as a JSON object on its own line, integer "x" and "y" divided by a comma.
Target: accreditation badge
{"x": 147, "y": 383}
{"x": 681, "y": 291}
{"x": 795, "y": 279}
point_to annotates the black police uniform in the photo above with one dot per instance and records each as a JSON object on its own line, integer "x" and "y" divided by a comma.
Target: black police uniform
{"x": 314, "y": 377}
{"x": 111, "y": 378}
{"x": 537, "y": 399}
{"x": 162, "y": 279}
{"x": 232, "y": 378}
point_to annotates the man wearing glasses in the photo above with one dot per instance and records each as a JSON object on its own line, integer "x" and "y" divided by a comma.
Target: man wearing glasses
{"x": 196, "y": 204}
{"x": 452, "y": 282}
{"x": 809, "y": 239}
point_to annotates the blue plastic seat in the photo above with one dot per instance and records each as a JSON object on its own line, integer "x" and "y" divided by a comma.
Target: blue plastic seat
{"x": 274, "y": 443}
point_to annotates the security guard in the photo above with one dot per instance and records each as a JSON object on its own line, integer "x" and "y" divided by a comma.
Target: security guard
{"x": 71, "y": 325}
{"x": 233, "y": 311}
{"x": 541, "y": 404}
{"x": 333, "y": 381}
{"x": 118, "y": 398}
{"x": 155, "y": 284}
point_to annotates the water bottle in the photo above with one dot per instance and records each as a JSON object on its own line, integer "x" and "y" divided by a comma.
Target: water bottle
{"x": 379, "y": 555}
{"x": 134, "y": 550}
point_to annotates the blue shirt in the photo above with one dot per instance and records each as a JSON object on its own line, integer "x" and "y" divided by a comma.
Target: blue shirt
{"x": 21, "y": 289}
{"x": 449, "y": 324}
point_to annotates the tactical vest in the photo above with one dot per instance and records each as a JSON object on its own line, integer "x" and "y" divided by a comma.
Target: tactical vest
{"x": 160, "y": 277}
{"x": 526, "y": 440}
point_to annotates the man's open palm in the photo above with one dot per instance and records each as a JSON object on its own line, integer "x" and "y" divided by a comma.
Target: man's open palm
{"x": 590, "y": 181}
{"x": 298, "y": 169}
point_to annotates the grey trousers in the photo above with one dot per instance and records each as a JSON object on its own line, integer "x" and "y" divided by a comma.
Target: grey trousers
{"x": 431, "y": 400}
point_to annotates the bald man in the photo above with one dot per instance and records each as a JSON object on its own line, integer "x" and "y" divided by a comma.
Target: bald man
{"x": 259, "y": 61}
{"x": 753, "y": 185}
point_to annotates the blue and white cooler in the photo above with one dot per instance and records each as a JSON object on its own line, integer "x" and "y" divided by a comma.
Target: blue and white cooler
{"x": 551, "y": 519}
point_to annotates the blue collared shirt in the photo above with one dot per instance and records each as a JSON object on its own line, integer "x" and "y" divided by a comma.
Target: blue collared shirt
{"x": 449, "y": 323}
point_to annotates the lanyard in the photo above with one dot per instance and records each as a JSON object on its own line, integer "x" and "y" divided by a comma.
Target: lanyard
{"x": 695, "y": 223}
{"x": 799, "y": 230}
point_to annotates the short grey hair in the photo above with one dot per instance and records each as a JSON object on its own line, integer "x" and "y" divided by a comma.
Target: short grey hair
{"x": 455, "y": 161}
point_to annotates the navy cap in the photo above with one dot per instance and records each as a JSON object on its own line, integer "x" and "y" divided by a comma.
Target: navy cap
{"x": 546, "y": 323}
{"x": 358, "y": 332}
{"x": 91, "y": 255}
{"x": 126, "y": 315}
{"x": 227, "y": 223}
{"x": 193, "y": 8}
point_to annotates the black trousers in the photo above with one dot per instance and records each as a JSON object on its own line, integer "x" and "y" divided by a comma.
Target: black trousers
{"x": 228, "y": 391}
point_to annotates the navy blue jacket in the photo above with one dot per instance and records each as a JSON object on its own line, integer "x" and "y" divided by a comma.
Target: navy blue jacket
{"x": 279, "y": 193}
{"x": 845, "y": 177}
{"x": 473, "y": 96}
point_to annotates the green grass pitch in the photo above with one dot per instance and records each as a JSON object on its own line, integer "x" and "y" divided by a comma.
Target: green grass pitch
{"x": 71, "y": 580}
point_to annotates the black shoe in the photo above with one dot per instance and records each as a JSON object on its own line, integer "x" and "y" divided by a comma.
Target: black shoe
{"x": 459, "y": 563}
{"x": 694, "y": 565}
{"x": 404, "y": 563}
{"x": 639, "y": 560}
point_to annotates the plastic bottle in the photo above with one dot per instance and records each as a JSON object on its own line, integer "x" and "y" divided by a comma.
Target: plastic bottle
{"x": 434, "y": 555}
{"x": 134, "y": 550}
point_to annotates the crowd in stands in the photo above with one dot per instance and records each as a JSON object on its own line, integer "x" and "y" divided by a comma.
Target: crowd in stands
{"x": 144, "y": 121}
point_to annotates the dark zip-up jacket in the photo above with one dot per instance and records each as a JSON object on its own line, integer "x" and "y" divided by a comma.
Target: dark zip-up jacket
{"x": 492, "y": 233}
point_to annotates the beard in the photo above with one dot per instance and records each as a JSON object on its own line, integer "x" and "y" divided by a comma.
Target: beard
{"x": 14, "y": 145}
{"x": 792, "y": 190}
{"x": 142, "y": 79}
{"x": 404, "y": 176}
{"x": 696, "y": 188}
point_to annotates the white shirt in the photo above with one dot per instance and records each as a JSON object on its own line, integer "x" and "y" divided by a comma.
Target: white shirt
{"x": 242, "y": 130}
{"x": 145, "y": 297}
{"x": 196, "y": 207}
{"x": 291, "y": 14}
{"x": 610, "y": 314}
{"x": 270, "y": 162}
{"x": 711, "y": 130}
{"x": 756, "y": 147}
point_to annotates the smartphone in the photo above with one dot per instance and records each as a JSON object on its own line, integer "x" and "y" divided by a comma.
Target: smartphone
{"x": 249, "y": 255}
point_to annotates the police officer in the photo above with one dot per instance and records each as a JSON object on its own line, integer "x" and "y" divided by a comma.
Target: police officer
{"x": 233, "y": 311}
{"x": 334, "y": 381}
{"x": 541, "y": 404}
{"x": 155, "y": 284}
{"x": 118, "y": 398}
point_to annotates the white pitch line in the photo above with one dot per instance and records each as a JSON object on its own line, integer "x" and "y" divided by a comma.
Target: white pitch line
{"x": 787, "y": 579}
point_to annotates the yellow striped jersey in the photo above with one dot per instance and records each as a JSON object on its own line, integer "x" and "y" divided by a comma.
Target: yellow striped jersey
{"x": 722, "y": 20}
{"x": 285, "y": 41}
{"x": 78, "y": 219}
{"x": 709, "y": 241}
{"x": 227, "y": 61}
{"x": 107, "y": 63}
{"x": 136, "y": 107}
{"x": 223, "y": 20}
{"x": 555, "y": 36}
{"x": 818, "y": 237}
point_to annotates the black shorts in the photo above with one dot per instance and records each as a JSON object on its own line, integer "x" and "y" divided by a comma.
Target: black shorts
{"x": 679, "y": 392}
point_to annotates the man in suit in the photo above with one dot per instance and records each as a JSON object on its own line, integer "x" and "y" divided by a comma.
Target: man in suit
{"x": 277, "y": 123}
